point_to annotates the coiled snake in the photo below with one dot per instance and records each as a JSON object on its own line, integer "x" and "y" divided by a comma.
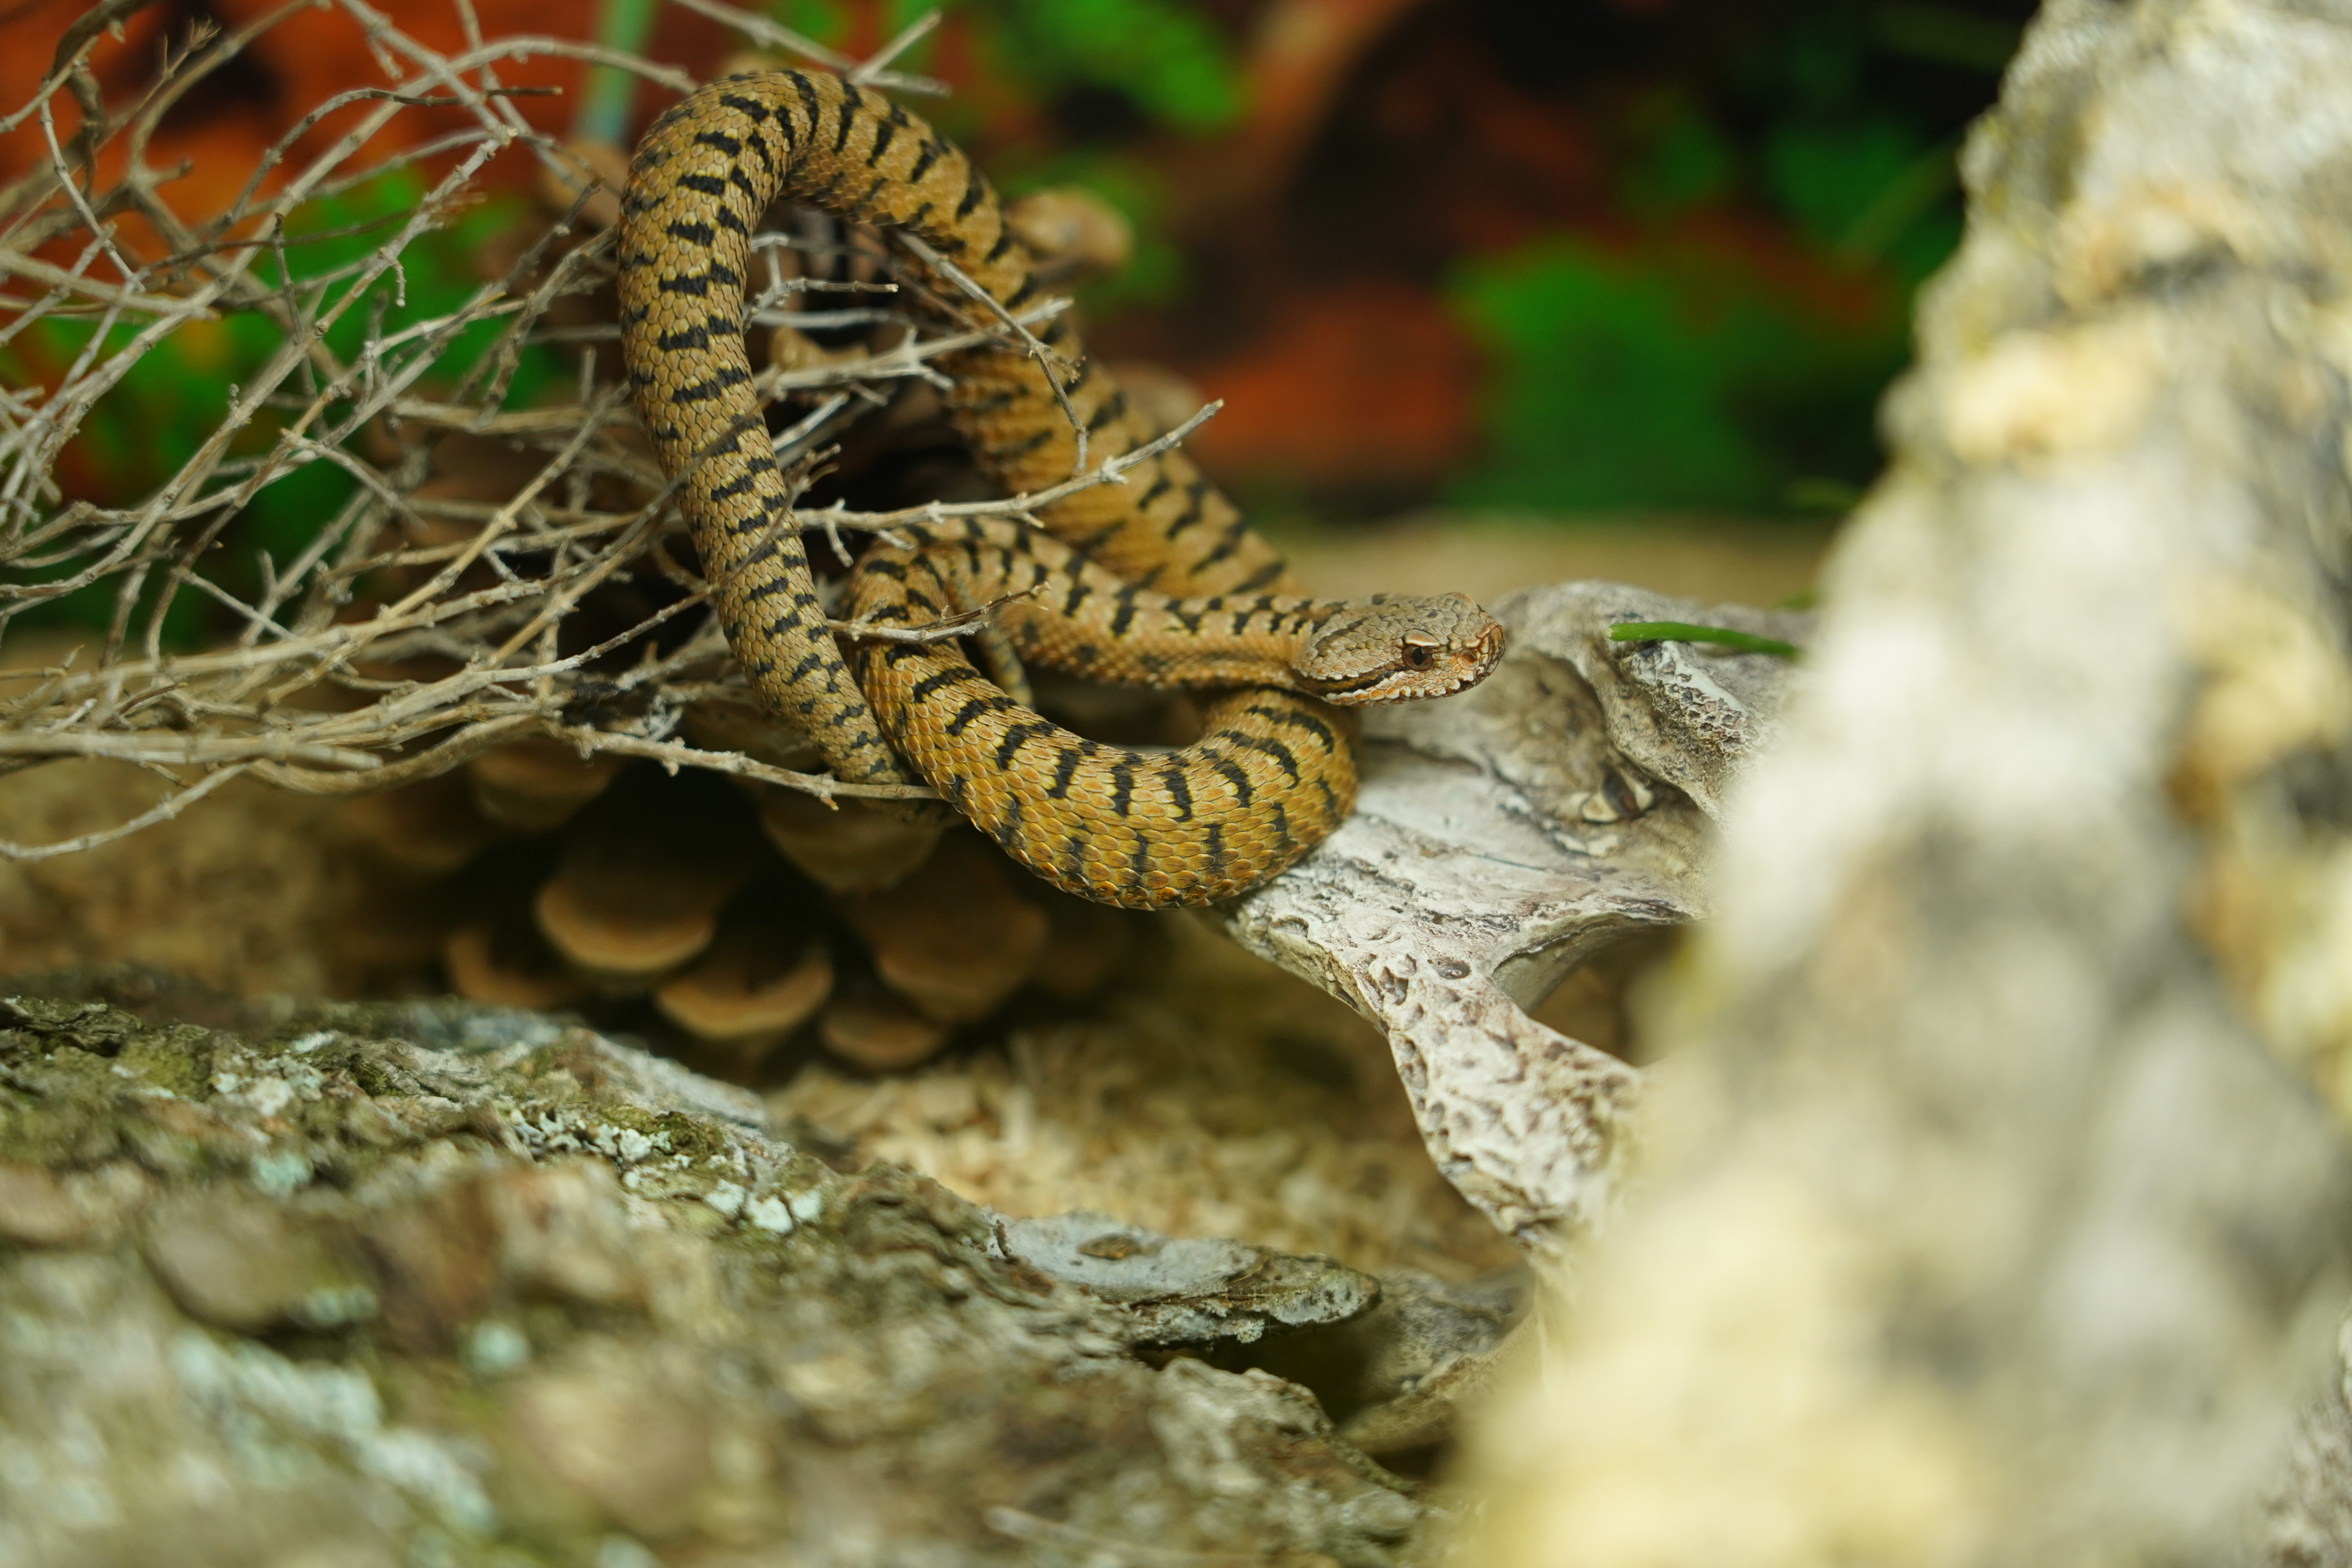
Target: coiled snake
{"x": 1274, "y": 772}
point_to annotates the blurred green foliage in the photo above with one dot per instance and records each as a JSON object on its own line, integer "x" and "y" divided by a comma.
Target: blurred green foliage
{"x": 1666, "y": 376}
{"x": 1166, "y": 60}
{"x": 1159, "y": 64}
{"x": 1677, "y": 368}
{"x": 175, "y": 396}
{"x": 1162, "y": 56}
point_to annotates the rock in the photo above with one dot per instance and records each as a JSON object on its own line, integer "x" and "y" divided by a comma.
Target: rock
{"x": 1185, "y": 1291}
{"x": 630, "y": 1443}
{"x": 35, "y": 1208}
{"x": 238, "y": 1261}
{"x": 607, "y": 1313}
{"x": 1426, "y": 1350}
{"x": 561, "y": 1233}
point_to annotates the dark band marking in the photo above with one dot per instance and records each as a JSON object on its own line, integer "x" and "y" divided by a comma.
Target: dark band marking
{"x": 934, "y": 682}
{"x": 1007, "y": 831}
{"x": 973, "y": 709}
{"x": 1112, "y": 408}
{"x": 1180, "y": 794}
{"x": 725, "y": 376}
{"x": 1015, "y": 737}
{"x": 1307, "y": 721}
{"x": 1127, "y": 609}
{"x": 1282, "y": 756}
{"x": 1233, "y": 775}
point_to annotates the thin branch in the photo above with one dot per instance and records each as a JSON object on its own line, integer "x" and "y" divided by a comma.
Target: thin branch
{"x": 1047, "y": 359}
{"x": 947, "y": 627}
{"x": 760, "y": 30}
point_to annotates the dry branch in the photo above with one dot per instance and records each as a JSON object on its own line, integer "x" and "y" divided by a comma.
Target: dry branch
{"x": 432, "y": 614}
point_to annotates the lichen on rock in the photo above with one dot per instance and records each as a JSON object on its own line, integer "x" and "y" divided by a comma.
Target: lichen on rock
{"x": 426, "y": 1283}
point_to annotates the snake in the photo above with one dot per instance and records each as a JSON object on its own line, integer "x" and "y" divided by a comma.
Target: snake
{"x": 1156, "y": 578}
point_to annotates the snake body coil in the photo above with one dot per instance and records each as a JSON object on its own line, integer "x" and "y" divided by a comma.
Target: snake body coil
{"x": 1273, "y": 774}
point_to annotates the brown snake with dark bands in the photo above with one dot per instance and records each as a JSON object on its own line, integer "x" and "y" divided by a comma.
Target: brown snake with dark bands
{"x": 1276, "y": 770}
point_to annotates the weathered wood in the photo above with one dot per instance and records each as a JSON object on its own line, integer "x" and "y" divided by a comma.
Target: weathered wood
{"x": 1992, "y": 1218}
{"x": 1501, "y": 839}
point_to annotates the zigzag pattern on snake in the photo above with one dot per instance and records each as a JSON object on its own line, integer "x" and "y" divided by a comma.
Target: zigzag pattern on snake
{"x": 701, "y": 179}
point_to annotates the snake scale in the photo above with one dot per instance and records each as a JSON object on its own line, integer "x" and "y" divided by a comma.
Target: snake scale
{"x": 1158, "y": 580}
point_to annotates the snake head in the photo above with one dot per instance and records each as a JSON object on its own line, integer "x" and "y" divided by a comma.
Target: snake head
{"x": 1398, "y": 649}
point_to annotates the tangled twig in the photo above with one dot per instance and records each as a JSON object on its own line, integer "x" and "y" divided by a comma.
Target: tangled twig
{"x": 432, "y": 612}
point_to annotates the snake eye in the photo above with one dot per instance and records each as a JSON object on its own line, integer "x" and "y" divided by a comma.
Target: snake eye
{"x": 1419, "y": 656}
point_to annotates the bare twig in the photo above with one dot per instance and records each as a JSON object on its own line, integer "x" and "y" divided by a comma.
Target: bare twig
{"x": 941, "y": 630}
{"x": 1050, "y": 362}
{"x": 432, "y": 611}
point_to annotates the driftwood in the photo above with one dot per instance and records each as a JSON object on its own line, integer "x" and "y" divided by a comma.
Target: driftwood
{"x": 1989, "y": 1214}
{"x": 1504, "y": 837}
